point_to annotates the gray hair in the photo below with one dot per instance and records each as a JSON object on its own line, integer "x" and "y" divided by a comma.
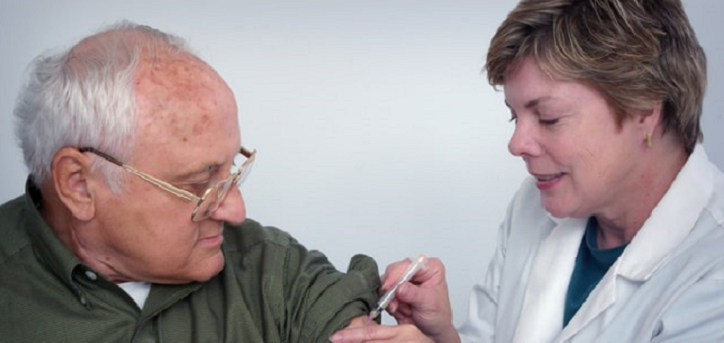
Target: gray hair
{"x": 84, "y": 97}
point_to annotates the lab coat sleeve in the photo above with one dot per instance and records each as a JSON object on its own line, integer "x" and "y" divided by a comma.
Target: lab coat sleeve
{"x": 697, "y": 316}
{"x": 483, "y": 304}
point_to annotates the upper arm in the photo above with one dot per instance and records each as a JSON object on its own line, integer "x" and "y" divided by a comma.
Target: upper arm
{"x": 319, "y": 299}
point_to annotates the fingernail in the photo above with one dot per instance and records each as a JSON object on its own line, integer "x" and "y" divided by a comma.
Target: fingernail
{"x": 402, "y": 289}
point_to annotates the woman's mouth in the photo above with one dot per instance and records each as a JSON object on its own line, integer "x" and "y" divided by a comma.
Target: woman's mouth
{"x": 545, "y": 178}
{"x": 548, "y": 181}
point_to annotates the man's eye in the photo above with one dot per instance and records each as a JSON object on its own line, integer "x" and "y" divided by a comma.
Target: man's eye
{"x": 198, "y": 187}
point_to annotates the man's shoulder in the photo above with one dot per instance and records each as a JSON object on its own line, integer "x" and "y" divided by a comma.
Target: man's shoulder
{"x": 12, "y": 233}
{"x": 251, "y": 233}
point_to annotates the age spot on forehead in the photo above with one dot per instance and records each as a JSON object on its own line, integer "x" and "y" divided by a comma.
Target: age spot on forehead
{"x": 177, "y": 77}
{"x": 169, "y": 85}
{"x": 200, "y": 125}
{"x": 183, "y": 100}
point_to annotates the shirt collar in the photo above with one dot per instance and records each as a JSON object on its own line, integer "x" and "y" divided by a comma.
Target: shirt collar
{"x": 48, "y": 247}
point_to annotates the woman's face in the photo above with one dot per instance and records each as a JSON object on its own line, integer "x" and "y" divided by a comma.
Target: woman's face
{"x": 567, "y": 135}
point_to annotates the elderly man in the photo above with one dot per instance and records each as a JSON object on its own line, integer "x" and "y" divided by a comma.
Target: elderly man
{"x": 132, "y": 227}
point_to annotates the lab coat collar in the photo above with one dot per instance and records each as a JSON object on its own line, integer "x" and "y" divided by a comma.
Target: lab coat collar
{"x": 671, "y": 220}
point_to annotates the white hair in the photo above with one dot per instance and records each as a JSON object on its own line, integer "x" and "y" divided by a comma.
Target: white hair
{"x": 84, "y": 97}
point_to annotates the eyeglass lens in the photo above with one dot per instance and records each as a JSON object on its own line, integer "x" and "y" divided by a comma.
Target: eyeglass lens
{"x": 218, "y": 193}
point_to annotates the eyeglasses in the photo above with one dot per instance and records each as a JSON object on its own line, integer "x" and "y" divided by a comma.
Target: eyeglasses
{"x": 210, "y": 199}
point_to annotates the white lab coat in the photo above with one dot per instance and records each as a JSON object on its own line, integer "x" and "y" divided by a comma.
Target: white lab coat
{"x": 667, "y": 286}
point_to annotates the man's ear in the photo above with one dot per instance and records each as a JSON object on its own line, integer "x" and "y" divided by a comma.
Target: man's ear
{"x": 70, "y": 170}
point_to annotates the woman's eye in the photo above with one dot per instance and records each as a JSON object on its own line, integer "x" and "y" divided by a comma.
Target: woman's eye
{"x": 548, "y": 121}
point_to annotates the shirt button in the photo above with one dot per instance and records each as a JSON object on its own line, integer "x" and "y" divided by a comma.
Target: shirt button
{"x": 91, "y": 275}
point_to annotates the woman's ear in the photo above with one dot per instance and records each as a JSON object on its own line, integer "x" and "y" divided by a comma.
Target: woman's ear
{"x": 70, "y": 171}
{"x": 650, "y": 118}
{"x": 648, "y": 122}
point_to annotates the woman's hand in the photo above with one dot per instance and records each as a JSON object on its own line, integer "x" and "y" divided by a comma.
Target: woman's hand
{"x": 421, "y": 308}
{"x": 380, "y": 333}
{"x": 424, "y": 301}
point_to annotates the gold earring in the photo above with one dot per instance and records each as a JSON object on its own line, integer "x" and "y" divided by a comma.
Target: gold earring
{"x": 648, "y": 140}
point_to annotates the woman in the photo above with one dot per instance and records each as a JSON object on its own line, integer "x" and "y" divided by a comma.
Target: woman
{"x": 617, "y": 235}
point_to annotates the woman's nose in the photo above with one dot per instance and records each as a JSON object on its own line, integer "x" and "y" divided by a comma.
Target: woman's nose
{"x": 524, "y": 141}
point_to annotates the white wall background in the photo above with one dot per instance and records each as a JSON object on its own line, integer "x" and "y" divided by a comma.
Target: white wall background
{"x": 376, "y": 131}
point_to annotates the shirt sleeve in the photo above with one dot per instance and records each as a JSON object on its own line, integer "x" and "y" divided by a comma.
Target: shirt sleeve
{"x": 319, "y": 299}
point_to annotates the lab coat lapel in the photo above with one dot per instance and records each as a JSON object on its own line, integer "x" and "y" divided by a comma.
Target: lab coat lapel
{"x": 541, "y": 317}
{"x": 601, "y": 298}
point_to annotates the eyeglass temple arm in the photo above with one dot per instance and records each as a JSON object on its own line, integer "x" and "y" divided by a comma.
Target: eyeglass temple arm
{"x": 108, "y": 158}
{"x": 161, "y": 184}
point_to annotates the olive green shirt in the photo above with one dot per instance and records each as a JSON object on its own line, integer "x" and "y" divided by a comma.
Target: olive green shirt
{"x": 272, "y": 289}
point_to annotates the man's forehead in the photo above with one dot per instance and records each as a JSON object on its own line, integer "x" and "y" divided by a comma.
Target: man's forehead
{"x": 185, "y": 112}
{"x": 174, "y": 74}
{"x": 182, "y": 104}
{"x": 176, "y": 153}
{"x": 178, "y": 86}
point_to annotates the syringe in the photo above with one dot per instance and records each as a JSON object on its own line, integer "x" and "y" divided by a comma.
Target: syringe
{"x": 418, "y": 263}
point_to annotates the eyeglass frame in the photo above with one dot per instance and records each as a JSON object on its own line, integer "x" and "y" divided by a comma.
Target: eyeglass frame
{"x": 233, "y": 178}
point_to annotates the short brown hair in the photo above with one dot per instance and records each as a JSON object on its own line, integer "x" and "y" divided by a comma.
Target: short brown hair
{"x": 632, "y": 51}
